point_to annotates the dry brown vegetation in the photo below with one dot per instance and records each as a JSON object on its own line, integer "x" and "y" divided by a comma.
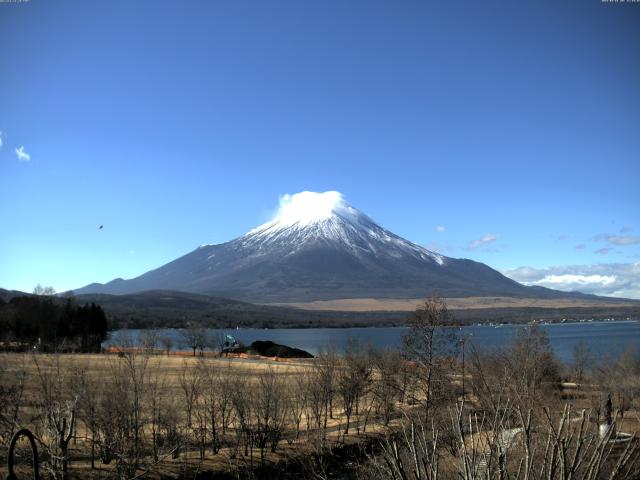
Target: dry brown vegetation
{"x": 425, "y": 412}
{"x": 463, "y": 303}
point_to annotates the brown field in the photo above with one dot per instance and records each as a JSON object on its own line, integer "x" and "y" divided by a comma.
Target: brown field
{"x": 409, "y": 304}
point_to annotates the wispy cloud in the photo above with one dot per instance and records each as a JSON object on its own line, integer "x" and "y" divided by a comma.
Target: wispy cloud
{"x": 581, "y": 246}
{"x": 626, "y": 229}
{"x": 619, "y": 240}
{"x": 612, "y": 279}
{"x": 1, "y": 139}
{"x": 603, "y": 250}
{"x": 22, "y": 155}
{"x": 486, "y": 239}
{"x": 600, "y": 237}
{"x": 623, "y": 240}
{"x": 440, "y": 229}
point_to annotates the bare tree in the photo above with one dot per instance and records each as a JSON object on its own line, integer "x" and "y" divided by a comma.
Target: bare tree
{"x": 167, "y": 343}
{"x": 388, "y": 387}
{"x": 354, "y": 376}
{"x": 216, "y": 341}
{"x": 225, "y": 378}
{"x": 88, "y": 394}
{"x": 534, "y": 368}
{"x": 320, "y": 388}
{"x": 189, "y": 380}
{"x": 195, "y": 338}
{"x": 122, "y": 415}
{"x": 216, "y": 398}
{"x": 57, "y": 408}
{"x": 491, "y": 446}
{"x": 620, "y": 377}
{"x": 582, "y": 360}
{"x": 523, "y": 372}
{"x": 157, "y": 408}
{"x": 210, "y": 387}
{"x": 149, "y": 340}
{"x": 431, "y": 347}
{"x": 241, "y": 400}
{"x": 44, "y": 291}
{"x": 297, "y": 394}
{"x": 270, "y": 410}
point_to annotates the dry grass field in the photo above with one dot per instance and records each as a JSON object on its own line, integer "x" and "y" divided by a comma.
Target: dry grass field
{"x": 173, "y": 382}
{"x": 409, "y": 304}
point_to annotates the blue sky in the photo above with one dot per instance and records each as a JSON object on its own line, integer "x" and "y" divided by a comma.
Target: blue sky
{"x": 515, "y": 126}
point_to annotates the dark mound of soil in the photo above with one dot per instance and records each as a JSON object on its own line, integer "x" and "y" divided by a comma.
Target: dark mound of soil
{"x": 267, "y": 348}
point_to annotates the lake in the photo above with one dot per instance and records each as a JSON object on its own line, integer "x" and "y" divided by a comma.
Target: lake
{"x": 603, "y": 338}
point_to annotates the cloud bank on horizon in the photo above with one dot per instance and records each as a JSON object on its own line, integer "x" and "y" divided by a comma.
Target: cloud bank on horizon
{"x": 607, "y": 279}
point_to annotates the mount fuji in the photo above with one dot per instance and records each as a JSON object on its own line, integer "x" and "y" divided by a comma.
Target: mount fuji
{"x": 318, "y": 247}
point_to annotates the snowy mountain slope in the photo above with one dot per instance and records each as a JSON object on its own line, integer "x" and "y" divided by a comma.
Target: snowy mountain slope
{"x": 319, "y": 247}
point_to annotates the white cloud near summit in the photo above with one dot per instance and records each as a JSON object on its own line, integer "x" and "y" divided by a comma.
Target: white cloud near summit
{"x": 608, "y": 279}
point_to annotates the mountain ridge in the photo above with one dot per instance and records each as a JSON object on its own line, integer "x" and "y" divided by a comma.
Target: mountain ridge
{"x": 318, "y": 247}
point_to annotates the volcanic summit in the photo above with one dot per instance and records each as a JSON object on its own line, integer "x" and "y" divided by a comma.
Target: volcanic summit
{"x": 318, "y": 247}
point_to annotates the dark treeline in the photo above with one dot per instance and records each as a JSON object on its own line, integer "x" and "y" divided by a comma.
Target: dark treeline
{"x": 49, "y": 323}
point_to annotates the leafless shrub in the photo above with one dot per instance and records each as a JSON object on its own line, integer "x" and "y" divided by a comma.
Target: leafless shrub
{"x": 620, "y": 377}
{"x": 524, "y": 371}
{"x": 491, "y": 446}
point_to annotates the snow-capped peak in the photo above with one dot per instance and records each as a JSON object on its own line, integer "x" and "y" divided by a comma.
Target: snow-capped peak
{"x": 308, "y": 217}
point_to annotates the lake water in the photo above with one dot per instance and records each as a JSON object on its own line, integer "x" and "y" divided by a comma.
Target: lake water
{"x": 603, "y": 338}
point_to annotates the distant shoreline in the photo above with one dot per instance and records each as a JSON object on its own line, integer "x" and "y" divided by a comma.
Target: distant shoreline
{"x": 373, "y": 327}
